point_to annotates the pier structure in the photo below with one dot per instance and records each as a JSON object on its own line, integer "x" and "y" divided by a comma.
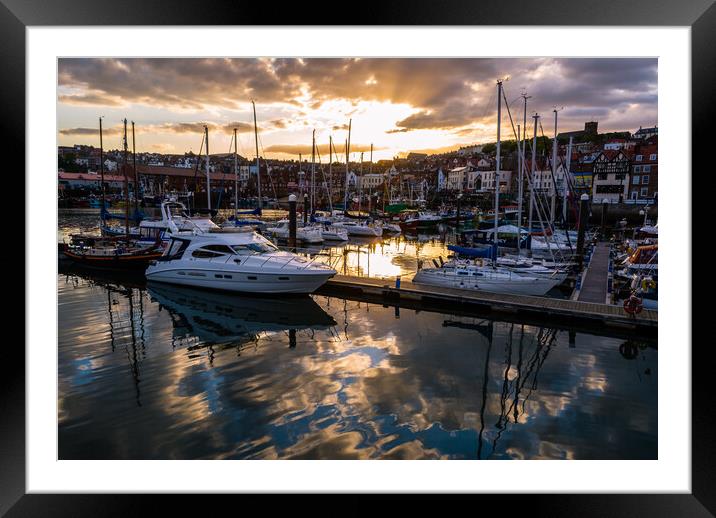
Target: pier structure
{"x": 595, "y": 280}
{"x": 521, "y": 307}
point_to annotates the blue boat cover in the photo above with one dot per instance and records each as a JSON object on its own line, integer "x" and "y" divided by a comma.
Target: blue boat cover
{"x": 489, "y": 252}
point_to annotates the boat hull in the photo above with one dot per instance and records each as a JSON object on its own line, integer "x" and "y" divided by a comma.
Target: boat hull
{"x": 533, "y": 286}
{"x": 238, "y": 281}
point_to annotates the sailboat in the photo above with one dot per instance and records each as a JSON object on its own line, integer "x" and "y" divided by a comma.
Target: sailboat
{"x": 242, "y": 218}
{"x": 475, "y": 275}
{"x": 121, "y": 252}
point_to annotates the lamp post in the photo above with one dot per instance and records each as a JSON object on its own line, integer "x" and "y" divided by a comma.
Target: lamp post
{"x": 457, "y": 212}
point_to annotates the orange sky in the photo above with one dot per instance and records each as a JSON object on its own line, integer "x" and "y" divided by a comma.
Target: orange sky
{"x": 398, "y": 105}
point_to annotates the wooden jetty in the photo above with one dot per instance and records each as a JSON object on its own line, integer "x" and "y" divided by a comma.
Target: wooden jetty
{"x": 594, "y": 284}
{"x": 520, "y": 308}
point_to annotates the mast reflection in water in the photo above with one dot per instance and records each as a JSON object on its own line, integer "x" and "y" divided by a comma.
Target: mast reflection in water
{"x": 161, "y": 372}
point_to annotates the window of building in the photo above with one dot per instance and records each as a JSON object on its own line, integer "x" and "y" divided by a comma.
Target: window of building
{"x": 637, "y": 169}
{"x": 652, "y": 156}
{"x": 602, "y": 176}
{"x": 635, "y": 180}
{"x": 644, "y": 180}
{"x": 644, "y": 191}
{"x": 647, "y": 168}
{"x": 639, "y": 158}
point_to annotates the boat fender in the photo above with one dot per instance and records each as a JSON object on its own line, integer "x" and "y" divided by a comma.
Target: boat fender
{"x": 633, "y": 305}
{"x": 648, "y": 284}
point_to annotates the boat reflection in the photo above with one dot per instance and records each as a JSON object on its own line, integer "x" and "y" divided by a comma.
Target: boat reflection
{"x": 229, "y": 318}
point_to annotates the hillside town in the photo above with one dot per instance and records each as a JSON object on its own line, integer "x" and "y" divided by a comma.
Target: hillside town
{"x": 616, "y": 167}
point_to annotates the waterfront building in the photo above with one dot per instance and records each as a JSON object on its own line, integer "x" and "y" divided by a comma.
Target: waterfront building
{"x": 610, "y": 178}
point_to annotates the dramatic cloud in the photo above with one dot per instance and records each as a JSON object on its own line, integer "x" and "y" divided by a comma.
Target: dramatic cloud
{"x": 396, "y": 99}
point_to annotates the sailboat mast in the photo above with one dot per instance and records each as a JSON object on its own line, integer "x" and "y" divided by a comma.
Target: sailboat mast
{"x": 554, "y": 173}
{"x": 330, "y": 172}
{"x": 566, "y": 180}
{"x": 521, "y": 174}
{"x": 136, "y": 178}
{"x": 532, "y": 174}
{"x": 236, "y": 175}
{"x": 258, "y": 169}
{"x": 208, "y": 178}
{"x": 348, "y": 152}
{"x": 497, "y": 164}
{"x": 360, "y": 182}
{"x": 126, "y": 183}
{"x": 313, "y": 169}
{"x": 101, "y": 162}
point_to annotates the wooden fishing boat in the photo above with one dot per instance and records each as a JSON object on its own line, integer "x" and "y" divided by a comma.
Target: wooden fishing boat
{"x": 109, "y": 253}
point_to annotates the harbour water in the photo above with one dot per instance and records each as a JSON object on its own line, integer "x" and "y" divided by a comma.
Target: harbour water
{"x": 163, "y": 372}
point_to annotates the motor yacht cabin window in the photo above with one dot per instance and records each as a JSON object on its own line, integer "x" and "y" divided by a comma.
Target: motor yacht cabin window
{"x": 254, "y": 248}
{"x": 202, "y": 253}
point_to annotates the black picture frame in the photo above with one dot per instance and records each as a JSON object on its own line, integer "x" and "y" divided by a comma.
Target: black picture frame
{"x": 700, "y": 15}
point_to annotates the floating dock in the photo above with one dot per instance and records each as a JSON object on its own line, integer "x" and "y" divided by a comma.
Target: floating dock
{"x": 594, "y": 285}
{"x": 519, "y": 308}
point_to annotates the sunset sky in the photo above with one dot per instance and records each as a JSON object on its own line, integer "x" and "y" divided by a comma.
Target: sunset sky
{"x": 399, "y": 105}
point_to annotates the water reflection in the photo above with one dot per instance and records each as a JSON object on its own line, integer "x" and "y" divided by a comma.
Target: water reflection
{"x": 171, "y": 372}
{"x": 213, "y": 317}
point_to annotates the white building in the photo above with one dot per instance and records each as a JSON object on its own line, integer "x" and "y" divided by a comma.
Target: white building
{"x": 456, "y": 178}
{"x": 371, "y": 180}
{"x": 488, "y": 180}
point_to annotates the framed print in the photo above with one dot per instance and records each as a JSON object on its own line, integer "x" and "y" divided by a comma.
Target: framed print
{"x": 405, "y": 257}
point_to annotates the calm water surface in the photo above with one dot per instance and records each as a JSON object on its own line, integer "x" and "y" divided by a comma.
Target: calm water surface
{"x": 161, "y": 372}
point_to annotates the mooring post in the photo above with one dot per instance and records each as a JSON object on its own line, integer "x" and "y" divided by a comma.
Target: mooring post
{"x": 397, "y": 282}
{"x": 583, "y": 217}
{"x": 292, "y": 222}
{"x": 291, "y": 338}
{"x": 305, "y": 209}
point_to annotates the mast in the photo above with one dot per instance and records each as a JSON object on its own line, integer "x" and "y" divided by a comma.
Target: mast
{"x": 330, "y": 172}
{"x": 101, "y": 163}
{"x": 532, "y": 173}
{"x": 348, "y": 151}
{"x": 519, "y": 190}
{"x": 497, "y": 167}
{"x": 208, "y": 178}
{"x": 567, "y": 179}
{"x": 360, "y": 189}
{"x": 313, "y": 169}
{"x": 258, "y": 169}
{"x": 136, "y": 178}
{"x": 370, "y": 168}
{"x": 554, "y": 173}
{"x": 126, "y": 183}
{"x": 236, "y": 175}
{"x": 521, "y": 174}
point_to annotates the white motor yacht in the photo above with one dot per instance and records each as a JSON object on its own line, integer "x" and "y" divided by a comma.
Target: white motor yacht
{"x": 242, "y": 262}
{"x": 485, "y": 278}
{"x": 308, "y": 234}
{"x": 360, "y": 228}
{"x": 333, "y": 232}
